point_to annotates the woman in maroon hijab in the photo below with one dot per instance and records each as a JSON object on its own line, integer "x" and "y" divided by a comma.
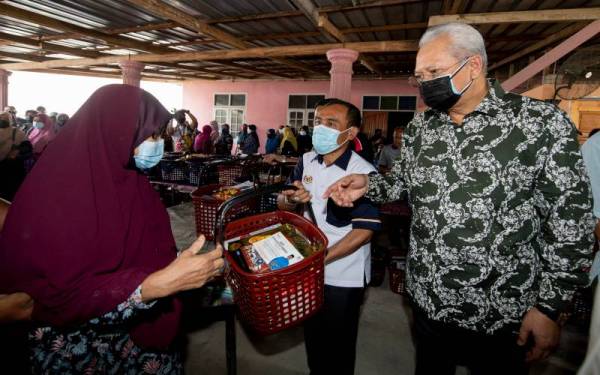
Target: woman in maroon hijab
{"x": 89, "y": 240}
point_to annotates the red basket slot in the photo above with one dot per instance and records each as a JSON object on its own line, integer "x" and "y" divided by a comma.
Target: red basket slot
{"x": 206, "y": 207}
{"x": 228, "y": 173}
{"x": 273, "y": 301}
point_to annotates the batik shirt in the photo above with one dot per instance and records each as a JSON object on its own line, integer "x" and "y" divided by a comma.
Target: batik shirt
{"x": 502, "y": 217}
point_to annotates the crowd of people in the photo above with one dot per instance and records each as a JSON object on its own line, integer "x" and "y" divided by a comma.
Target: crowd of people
{"x": 502, "y": 231}
{"x": 213, "y": 139}
{"x": 22, "y": 141}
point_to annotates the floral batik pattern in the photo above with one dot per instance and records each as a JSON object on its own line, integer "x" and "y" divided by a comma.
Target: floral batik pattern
{"x": 101, "y": 346}
{"x": 502, "y": 216}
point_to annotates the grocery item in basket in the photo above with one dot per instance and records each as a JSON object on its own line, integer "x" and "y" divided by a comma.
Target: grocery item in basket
{"x": 277, "y": 251}
{"x": 271, "y": 248}
{"x": 238, "y": 257}
{"x": 226, "y": 193}
{"x": 253, "y": 260}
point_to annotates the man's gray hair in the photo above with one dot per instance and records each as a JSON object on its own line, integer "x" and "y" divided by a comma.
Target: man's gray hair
{"x": 466, "y": 40}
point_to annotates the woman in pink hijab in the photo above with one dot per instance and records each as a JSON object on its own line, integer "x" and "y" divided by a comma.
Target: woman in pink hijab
{"x": 203, "y": 143}
{"x": 42, "y": 133}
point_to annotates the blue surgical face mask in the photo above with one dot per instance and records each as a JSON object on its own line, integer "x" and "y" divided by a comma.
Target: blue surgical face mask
{"x": 325, "y": 139}
{"x": 149, "y": 153}
{"x": 38, "y": 125}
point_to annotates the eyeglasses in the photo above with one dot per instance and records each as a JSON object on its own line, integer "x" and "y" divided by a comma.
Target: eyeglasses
{"x": 417, "y": 80}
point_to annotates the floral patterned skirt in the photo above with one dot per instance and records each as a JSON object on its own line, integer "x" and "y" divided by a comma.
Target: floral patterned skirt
{"x": 90, "y": 351}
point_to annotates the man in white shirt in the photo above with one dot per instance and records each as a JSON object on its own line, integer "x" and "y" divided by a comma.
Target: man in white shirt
{"x": 330, "y": 336}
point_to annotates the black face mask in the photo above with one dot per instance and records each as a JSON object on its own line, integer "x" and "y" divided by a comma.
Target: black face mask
{"x": 439, "y": 93}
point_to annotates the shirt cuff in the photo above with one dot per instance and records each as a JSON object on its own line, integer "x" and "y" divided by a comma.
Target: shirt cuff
{"x": 135, "y": 300}
{"x": 373, "y": 224}
{"x": 553, "y": 314}
{"x": 372, "y": 192}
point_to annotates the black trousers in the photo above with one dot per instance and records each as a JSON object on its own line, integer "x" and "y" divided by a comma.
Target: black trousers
{"x": 330, "y": 335}
{"x": 441, "y": 347}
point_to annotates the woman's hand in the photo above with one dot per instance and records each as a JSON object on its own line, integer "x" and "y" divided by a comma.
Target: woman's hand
{"x": 188, "y": 271}
{"x": 15, "y": 306}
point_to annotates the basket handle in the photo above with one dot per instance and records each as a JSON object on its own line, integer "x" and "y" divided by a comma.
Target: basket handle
{"x": 240, "y": 198}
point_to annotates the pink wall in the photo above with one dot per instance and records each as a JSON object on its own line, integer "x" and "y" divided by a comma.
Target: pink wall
{"x": 267, "y": 101}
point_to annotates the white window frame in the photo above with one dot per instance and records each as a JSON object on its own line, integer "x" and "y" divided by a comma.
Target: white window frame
{"x": 362, "y": 101}
{"x": 292, "y": 122}
{"x": 234, "y": 129}
{"x": 309, "y": 122}
{"x": 305, "y": 111}
{"x": 220, "y": 120}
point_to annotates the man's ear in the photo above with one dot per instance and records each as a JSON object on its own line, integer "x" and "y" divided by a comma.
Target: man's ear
{"x": 347, "y": 135}
{"x": 476, "y": 66}
{"x": 352, "y": 133}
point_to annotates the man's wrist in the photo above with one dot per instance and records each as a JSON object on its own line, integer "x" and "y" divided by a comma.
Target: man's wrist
{"x": 289, "y": 202}
{"x": 284, "y": 203}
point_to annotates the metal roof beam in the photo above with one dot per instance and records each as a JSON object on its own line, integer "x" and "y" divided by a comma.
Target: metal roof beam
{"x": 567, "y": 31}
{"x": 217, "y": 55}
{"x": 172, "y": 13}
{"x": 548, "y": 15}
{"x": 553, "y": 55}
{"x": 15, "y": 39}
{"x": 324, "y": 24}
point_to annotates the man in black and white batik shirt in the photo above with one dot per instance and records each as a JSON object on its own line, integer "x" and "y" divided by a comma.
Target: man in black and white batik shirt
{"x": 502, "y": 223}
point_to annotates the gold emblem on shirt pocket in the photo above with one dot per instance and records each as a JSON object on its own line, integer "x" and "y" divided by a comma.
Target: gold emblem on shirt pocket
{"x": 308, "y": 179}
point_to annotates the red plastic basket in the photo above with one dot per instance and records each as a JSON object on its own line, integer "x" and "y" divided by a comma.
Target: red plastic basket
{"x": 206, "y": 207}
{"x": 273, "y": 301}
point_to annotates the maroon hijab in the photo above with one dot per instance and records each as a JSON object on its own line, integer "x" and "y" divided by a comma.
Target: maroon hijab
{"x": 86, "y": 228}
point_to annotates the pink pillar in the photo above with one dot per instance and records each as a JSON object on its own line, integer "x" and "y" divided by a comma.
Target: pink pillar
{"x": 132, "y": 72}
{"x": 340, "y": 85}
{"x": 4, "y": 88}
